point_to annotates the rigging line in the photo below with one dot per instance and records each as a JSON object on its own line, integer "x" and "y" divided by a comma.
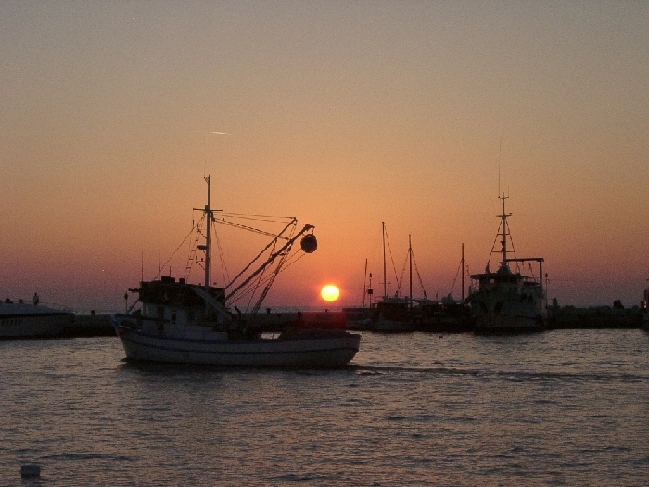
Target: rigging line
{"x": 191, "y": 258}
{"x": 394, "y": 267}
{"x": 283, "y": 264}
{"x": 221, "y": 256}
{"x": 403, "y": 270}
{"x": 529, "y": 265}
{"x": 290, "y": 259}
{"x": 421, "y": 282}
{"x": 513, "y": 251}
{"x": 457, "y": 273}
{"x": 251, "y": 229}
{"x": 511, "y": 239}
{"x": 495, "y": 240}
{"x": 252, "y": 288}
{"x": 188, "y": 265}
{"x": 270, "y": 244}
{"x": 174, "y": 252}
{"x": 265, "y": 218}
{"x": 285, "y": 248}
{"x": 268, "y": 280}
{"x": 269, "y": 284}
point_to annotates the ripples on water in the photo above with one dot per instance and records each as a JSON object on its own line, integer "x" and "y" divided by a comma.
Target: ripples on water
{"x": 567, "y": 407}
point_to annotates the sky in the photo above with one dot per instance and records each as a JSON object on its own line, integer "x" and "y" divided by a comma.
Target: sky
{"x": 343, "y": 114}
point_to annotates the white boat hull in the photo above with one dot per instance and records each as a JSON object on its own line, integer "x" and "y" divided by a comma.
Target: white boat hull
{"x": 514, "y": 316}
{"x": 202, "y": 346}
{"x": 507, "y": 307}
{"x": 30, "y": 321}
{"x": 393, "y": 326}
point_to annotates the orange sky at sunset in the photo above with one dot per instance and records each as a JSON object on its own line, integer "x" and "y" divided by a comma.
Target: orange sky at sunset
{"x": 343, "y": 114}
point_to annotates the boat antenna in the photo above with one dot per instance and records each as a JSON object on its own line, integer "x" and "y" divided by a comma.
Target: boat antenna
{"x": 500, "y": 154}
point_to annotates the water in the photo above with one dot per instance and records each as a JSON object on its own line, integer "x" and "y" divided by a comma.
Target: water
{"x": 566, "y": 407}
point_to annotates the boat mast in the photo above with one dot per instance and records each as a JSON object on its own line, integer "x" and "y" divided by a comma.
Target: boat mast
{"x": 364, "y": 281}
{"x": 385, "y": 271}
{"x": 410, "y": 254}
{"x": 462, "y": 272}
{"x": 504, "y": 234}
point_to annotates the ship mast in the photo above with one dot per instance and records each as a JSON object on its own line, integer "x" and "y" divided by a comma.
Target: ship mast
{"x": 208, "y": 238}
{"x": 410, "y": 254}
{"x": 463, "y": 272}
{"x": 504, "y": 232}
{"x": 385, "y": 271}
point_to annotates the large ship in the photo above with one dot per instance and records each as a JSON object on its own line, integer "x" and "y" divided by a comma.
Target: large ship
{"x": 188, "y": 323}
{"x": 506, "y": 300}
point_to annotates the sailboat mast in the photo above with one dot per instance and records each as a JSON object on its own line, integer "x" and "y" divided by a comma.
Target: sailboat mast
{"x": 385, "y": 269}
{"x": 364, "y": 281}
{"x": 208, "y": 239}
{"x": 410, "y": 254}
{"x": 462, "y": 272}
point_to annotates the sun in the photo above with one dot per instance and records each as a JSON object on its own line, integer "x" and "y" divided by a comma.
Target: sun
{"x": 330, "y": 293}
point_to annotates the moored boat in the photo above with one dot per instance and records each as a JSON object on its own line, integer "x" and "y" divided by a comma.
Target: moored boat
{"x": 508, "y": 301}
{"x": 188, "y": 323}
{"x": 32, "y": 320}
{"x": 395, "y": 313}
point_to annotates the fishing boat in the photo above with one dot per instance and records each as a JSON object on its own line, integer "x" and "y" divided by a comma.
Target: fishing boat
{"x": 506, "y": 300}
{"x": 32, "y": 320}
{"x": 179, "y": 322}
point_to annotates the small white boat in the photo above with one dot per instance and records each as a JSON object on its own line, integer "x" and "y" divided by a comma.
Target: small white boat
{"x": 505, "y": 301}
{"x": 193, "y": 324}
{"x": 29, "y": 320}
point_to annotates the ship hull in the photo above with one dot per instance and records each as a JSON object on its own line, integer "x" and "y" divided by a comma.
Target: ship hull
{"x": 506, "y": 311}
{"x": 305, "y": 349}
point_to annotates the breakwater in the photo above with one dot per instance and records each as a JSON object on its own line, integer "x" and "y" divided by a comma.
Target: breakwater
{"x": 566, "y": 317}
{"x": 92, "y": 325}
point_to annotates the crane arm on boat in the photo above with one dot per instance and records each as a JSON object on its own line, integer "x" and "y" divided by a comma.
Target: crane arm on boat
{"x": 270, "y": 259}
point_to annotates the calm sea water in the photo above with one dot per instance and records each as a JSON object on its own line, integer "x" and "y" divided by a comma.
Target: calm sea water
{"x": 567, "y": 407}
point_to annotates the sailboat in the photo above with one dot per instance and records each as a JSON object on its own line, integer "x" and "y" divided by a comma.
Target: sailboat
{"x": 360, "y": 317}
{"x": 188, "y": 323}
{"x": 507, "y": 301}
{"x": 394, "y": 313}
{"x": 448, "y": 314}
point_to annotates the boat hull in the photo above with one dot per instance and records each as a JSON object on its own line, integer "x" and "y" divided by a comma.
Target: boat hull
{"x": 507, "y": 313}
{"x": 393, "y": 326}
{"x": 508, "y": 324}
{"x": 306, "y": 349}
